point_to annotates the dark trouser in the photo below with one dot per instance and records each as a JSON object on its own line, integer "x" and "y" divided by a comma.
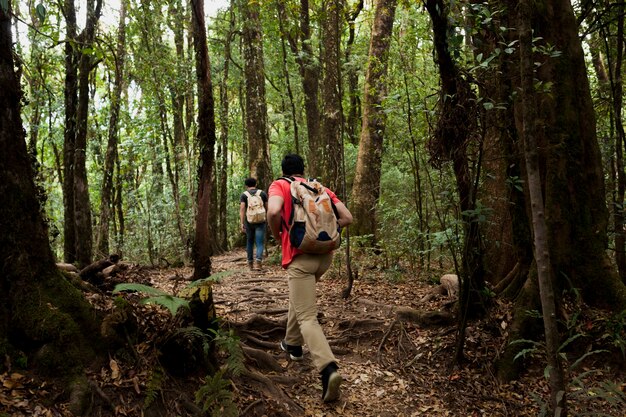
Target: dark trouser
{"x": 256, "y": 235}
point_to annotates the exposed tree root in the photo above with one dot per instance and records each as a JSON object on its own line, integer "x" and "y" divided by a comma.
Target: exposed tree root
{"x": 262, "y": 359}
{"x": 425, "y": 318}
{"x": 259, "y": 383}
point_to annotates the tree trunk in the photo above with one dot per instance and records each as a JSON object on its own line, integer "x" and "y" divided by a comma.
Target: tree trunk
{"x": 222, "y": 152}
{"x": 366, "y": 188}
{"x": 620, "y": 140}
{"x": 256, "y": 106}
{"x": 69, "y": 133}
{"x": 542, "y": 249}
{"x": 280, "y": 5}
{"x": 571, "y": 171}
{"x": 206, "y": 143}
{"x": 106, "y": 195}
{"x": 82, "y": 206}
{"x": 39, "y": 310}
{"x": 332, "y": 115}
{"x": 310, "y": 75}
{"x": 354, "y": 109}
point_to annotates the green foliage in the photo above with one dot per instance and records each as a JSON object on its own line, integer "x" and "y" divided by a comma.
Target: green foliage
{"x": 215, "y": 397}
{"x": 172, "y": 303}
{"x": 154, "y": 386}
{"x": 615, "y": 332}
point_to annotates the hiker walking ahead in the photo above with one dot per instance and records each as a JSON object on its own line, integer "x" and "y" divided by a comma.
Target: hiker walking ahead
{"x": 304, "y": 269}
{"x": 252, "y": 209}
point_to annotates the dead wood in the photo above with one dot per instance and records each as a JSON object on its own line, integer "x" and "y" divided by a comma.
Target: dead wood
{"x": 93, "y": 272}
{"x": 115, "y": 269}
{"x": 67, "y": 267}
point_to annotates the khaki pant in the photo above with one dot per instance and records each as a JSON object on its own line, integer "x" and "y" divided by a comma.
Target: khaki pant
{"x": 302, "y": 324}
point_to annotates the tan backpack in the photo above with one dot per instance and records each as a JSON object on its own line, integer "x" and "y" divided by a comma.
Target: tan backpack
{"x": 313, "y": 226}
{"x": 255, "y": 212}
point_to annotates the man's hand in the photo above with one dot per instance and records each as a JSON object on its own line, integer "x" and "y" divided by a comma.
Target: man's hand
{"x": 243, "y": 228}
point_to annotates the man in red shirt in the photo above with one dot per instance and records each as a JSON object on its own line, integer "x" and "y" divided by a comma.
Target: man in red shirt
{"x": 303, "y": 270}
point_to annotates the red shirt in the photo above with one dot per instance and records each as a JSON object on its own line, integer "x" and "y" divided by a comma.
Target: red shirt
{"x": 282, "y": 189}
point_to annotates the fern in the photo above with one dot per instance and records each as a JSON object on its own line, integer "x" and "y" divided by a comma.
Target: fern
{"x": 154, "y": 386}
{"x": 215, "y": 397}
{"x": 230, "y": 343}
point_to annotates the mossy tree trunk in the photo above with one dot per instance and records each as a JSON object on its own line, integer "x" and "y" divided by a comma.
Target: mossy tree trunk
{"x": 366, "y": 188}
{"x": 571, "y": 173}
{"x": 41, "y": 314}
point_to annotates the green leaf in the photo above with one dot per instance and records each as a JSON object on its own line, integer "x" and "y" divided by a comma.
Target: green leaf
{"x": 170, "y": 302}
{"x": 41, "y": 12}
{"x": 488, "y": 105}
{"x": 139, "y": 288}
{"x": 5, "y": 5}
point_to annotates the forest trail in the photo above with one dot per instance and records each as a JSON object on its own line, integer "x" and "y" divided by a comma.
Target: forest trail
{"x": 390, "y": 367}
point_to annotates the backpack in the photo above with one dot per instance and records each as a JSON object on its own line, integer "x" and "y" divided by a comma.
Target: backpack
{"x": 256, "y": 209}
{"x": 312, "y": 226}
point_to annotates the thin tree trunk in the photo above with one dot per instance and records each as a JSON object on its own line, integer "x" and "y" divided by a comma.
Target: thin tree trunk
{"x": 620, "y": 140}
{"x": 69, "y": 133}
{"x": 206, "y": 143}
{"x": 106, "y": 195}
{"x": 82, "y": 206}
{"x": 354, "y": 108}
{"x": 222, "y": 152}
{"x": 332, "y": 115}
{"x": 256, "y": 106}
{"x": 292, "y": 105}
{"x": 366, "y": 188}
{"x": 540, "y": 230}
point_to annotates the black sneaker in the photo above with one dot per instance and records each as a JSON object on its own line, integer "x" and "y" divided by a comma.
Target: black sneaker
{"x": 295, "y": 352}
{"x": 331, "y": 380}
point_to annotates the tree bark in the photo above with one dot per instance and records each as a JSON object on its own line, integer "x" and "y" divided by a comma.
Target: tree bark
{"x": 69, "y": 132}
{"x": 354, "y": 109}
{"x": 222, "y": 152}
{"x": 366, "y": 187}
{"x": 39, "y": 310}
{"x": 332, "y": 115}
{"x": 542, "y": 250}
{"x": 106, "y": 195}
{"x": 206, "y": 142}
{"x": 256, "y": 106}
{"x": 82, "y": 206}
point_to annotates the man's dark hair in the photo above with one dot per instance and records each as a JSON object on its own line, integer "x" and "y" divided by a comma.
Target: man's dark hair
{"x": 250, "y": 182}
{"x": 292, "y": 164}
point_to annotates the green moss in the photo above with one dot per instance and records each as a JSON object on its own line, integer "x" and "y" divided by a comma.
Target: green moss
{"x": 56, "y": 320}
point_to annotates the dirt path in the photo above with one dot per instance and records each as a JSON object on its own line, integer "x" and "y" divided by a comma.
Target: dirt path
{"x": 387, "y": 371}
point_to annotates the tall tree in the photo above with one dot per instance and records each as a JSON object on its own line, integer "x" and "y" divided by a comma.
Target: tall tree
{"x": 332, "y": 114}
{"x": 352, "y": 76}
{"x": 38, "y": 306}
{"x": 366, "y": 188}
{"x": 82, "y": 206}
{"x": 255, "y": 104}
{"x": 69, "y": 133}
{"x": 571, "y": 171}
{"x": 540, "y": 232}
{"x": 206, "y": 142}
{"x": 106, "y": 195}
{"x": 222, "y": 152}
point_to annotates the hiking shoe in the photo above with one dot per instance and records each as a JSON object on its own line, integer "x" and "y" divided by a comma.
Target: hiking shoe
{"x": 295, "y": 352}
{"x": 331, "y": 380}
{"x": 258, "y": 265}
{"x": 250, "y": 265}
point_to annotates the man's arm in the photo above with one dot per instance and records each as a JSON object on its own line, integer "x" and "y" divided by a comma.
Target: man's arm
{"x": 274, "y": 208}
{"x": 345, "y": 217}
{"x": 242, "y": 216}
